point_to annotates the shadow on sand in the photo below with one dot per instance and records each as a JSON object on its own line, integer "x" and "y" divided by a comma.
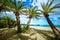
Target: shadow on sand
{"x": 10, "y": 34}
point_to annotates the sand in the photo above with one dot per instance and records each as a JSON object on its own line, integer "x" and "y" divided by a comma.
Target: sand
{"x": 36, "y": 33}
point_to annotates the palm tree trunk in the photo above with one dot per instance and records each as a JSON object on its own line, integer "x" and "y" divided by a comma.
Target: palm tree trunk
{"x": 18, "y": 21}
{"x": 18, "y": 24}
{"x": 56, "y": 31}
{"x": 28, "y": 24}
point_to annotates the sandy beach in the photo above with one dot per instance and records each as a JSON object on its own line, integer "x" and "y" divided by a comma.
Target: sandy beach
{"x": 43, "y": 28}
{"x": 36, "y": 33}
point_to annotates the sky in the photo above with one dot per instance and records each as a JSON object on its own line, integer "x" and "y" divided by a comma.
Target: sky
{"x": 55, "y": 18}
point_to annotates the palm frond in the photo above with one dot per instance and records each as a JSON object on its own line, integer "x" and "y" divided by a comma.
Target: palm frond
{"x": 50, "y": 4}
{"x": 8, "y": 9}
{"x": 52, "y": 11}
{"x": 21, "y": 5}
{"x": 40, "y": 10}
{"x": 55, "y": 6}
{"x": 44, "y": 6}
{"x": 3, "y": 1}
{"x": 47, "y": 3}
{"x": 9, "y": 4}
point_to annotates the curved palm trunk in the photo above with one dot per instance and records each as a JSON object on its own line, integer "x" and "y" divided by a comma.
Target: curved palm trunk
{"x": 56, "y": 31}
{"x": 28, "y": 24}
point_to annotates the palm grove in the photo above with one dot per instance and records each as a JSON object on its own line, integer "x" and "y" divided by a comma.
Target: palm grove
{"x": 16, "y": 8}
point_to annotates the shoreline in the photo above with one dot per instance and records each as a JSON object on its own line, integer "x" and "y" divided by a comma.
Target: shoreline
{"x": 43, "y": 28}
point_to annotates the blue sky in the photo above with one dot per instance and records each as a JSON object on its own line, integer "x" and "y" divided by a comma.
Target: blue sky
{"x": 55, "y": 18}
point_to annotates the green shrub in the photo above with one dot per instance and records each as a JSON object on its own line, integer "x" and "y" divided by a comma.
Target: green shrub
{"x": 7, "y": 21}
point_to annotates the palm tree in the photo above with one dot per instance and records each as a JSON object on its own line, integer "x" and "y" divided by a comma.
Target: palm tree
{"x": 48, "y": 8}
{"x": 14, "y": 7}
{"x": 32, "y": 12}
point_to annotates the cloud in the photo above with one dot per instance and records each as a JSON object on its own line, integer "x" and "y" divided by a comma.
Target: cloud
{"x": 55, "y": 18}
{"x": 38, "y": 3}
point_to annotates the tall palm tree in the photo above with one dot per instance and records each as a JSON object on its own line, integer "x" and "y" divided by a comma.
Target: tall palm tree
{"x": 32, "y": 12}
{"x": 15, "y": 7}
{"x": 48, "y": 8}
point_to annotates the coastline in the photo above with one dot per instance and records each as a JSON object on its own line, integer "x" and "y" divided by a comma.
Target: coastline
{"x": 43, "y": 28}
